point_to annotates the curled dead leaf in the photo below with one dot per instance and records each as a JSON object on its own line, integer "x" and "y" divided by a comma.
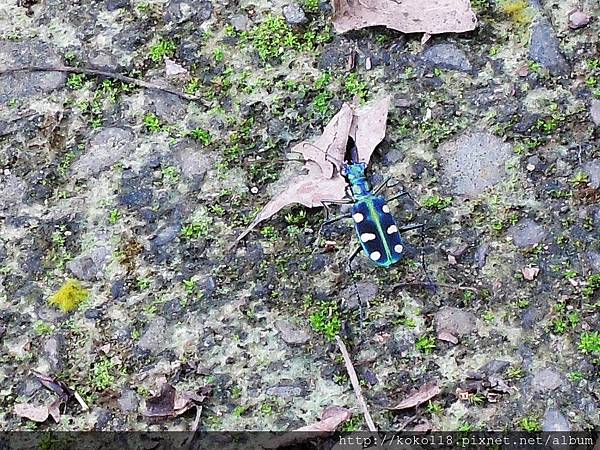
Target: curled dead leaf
{"x": 170, "y": 403}
{"x": 424, "y": 394}
{"x": 331, "y": 418}
{"x": 407, "y": 16}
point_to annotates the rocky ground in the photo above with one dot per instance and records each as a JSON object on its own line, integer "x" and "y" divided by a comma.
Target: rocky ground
{"x": 138, "y": 193}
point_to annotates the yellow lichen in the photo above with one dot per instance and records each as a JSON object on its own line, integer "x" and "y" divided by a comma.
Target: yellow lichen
{"x": 70, "y": 295}
{"x": 518, "y": 10}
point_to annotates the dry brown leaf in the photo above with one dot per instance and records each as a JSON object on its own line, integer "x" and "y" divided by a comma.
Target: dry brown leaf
{"x": 54, "y": 409}
{"x": 331, "y": 418}
{"x": 35, "y": 413}
{"x": 407, "y": 16}
{"x": 325, "y": 157}
{"x": 170, "y": 403}
{"x": 425, "y": 393}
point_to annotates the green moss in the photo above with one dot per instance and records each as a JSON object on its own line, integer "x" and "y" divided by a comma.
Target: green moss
{"x": 70, "y": 295}
{"x": 518, "y": 11}
{"x": 326, "y": 320}
{"x": 163, "y": 48}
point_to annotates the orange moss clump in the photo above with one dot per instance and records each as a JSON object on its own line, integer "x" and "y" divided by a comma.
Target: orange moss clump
{"x": 70, "y": 295}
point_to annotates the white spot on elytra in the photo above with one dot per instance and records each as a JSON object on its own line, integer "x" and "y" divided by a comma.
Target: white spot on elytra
{"x": 385, "y": 209}
{"x": 375, "y": 256}
{"x": 398, "y": 248}
{"x": 358, "y": 217}
{"x": 392, "y": 229}
{"x": 366, "y": 237}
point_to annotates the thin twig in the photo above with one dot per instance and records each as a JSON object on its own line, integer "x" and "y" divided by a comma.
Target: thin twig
{"x": 102, "y": 73}
{"x": 355, "y": 384}
{"x": 444, "y": 285}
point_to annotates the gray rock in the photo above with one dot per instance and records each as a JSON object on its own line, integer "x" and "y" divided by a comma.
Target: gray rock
{"x": 192, "y": 162}
{"x": 555, "y": 421}
{"x": 239, "y": 22}
{"x": 593, "y": 260}
{"x": 13, "y": 191}
{"x": 179, "y": 11}
{"x": 481, "y": 255}
{"x": 154, "y": 338}
{"x": 544, "y": 48}
{"x": 592, "y": 168}
{"x": 474, "y": 162}
{"x": 455, "y": 321}
{"x": 53, "y": 348}
{"x": 27, "y": 84}
{"x": 494, "y": 366}
{"x": 106, "y": 148}
{"x": 285, "y": 391}
{"x": 292, "y": 334}
{"x": 527, "y": 233}
{"x": 294, "y": 14}
{"x": 595, "y": 112}
{"x": 89, "y": 267}
{"x": 447, "y": 56}
{"x": 113, "y": 5}
{"x": 128, "y": 402}
{"x": 546, "y": 380}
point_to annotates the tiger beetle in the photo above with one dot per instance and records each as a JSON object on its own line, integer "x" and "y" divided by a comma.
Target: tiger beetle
{"x": 375, "y": 227}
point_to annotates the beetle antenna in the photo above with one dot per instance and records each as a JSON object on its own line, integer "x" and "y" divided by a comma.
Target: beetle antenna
{"x": 327, "y": 155}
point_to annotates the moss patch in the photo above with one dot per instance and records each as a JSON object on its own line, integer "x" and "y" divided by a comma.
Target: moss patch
{"x": 70, "y": 295}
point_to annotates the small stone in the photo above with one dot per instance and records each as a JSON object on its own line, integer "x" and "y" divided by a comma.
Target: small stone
{"x": 179, "y": 11}
{"x": 474, "y": 162}
{"x": 455, "y": 321}
{"x": 128, "y": 402}
{"x": 294, "y": 14}
{"x": 555, "y": 421}
{"x": 546, "y": 380}
{"x": 155, "y": 337}
{"x": 595, "y": 112}
{"x": 285, "y": 391}
{"x": 592, "y": 168}
{"x": 239, "y": 22}
{"x": 113, "y": 5}
{"x": 292, "y": 334}
{"x": 481, "y": 255}
{"x": 593, "y": 260}
{"x": 108, "y": 146}
{"x": 544, "y": 48}
{"x": 493, "y": 367}
{"x": 53, "y": 349}
{"x": 529, "y": 273}
{"x": 578, "y": 19}
{"x": 88, "y": 267}
{"x": 527, "y": 233}
{"x": 447, "y": 56}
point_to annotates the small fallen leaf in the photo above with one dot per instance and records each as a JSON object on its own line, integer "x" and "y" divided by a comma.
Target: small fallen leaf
{"x": 444, "y": 335}
{"x": 331, "y": 418}
{"x": 54, "y": 410}
{"x": 163, "y": 404}
{"x": 425, "y": 393}
{"x": 58, "y": 387}
{"x": 529, "y": 273}
{"x": 35, "y": 413}
{"x": 407, "y": 16}
{"x": 170, "y": 403}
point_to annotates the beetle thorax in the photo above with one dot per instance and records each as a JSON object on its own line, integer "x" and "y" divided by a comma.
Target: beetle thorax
{"x": 355, "y": 174}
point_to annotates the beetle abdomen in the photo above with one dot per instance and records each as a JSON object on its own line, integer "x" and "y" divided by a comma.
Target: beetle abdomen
{"x": 377, "y": 231}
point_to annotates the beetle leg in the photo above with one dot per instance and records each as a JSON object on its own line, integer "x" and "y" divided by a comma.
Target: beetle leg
{"x": 413, "y": 227}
